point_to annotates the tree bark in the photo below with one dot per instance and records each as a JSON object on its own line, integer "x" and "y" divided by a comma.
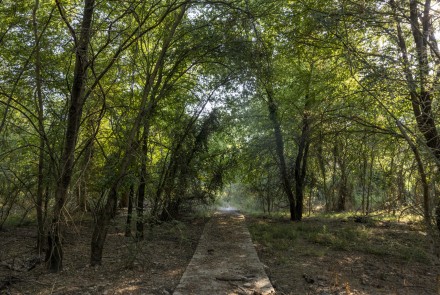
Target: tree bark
{"x": 279, "y": 142}
{"x": 39, "y": 93}
{"x": 66, "y": 164}
{"x": 142, "y": 185}
{"x": 321, "y": 162}
{"x": 129, "y": 211}
{"x": 420, "y": 92}
{"x": 301, "y": 163}
{"x": 422, "y": 174}
{"x": 363, "y": 179}
{"x": 369, "y": 187}
{"x": 146, "y": 110}
{"x": 437, "y": 216}
{"x": 101, "y": 226}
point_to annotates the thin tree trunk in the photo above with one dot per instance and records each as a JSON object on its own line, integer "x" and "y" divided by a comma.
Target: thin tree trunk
{"x": 363, "y": 179}
{"x": 301, "y": 164}
{"x": 101, "y": 226}
{"x": 146, "y": 110}
{"x": 392, "y": 189}
{"x": 279, "y": 141}
{"x": 40, "y": 185}
{"x": 81, "y": 189}
{"x": 55, "y": 253}
{"x": 437, "y": 216}
{"x": 333, "y": 187}
{"x": 321, "y": 163}
{"x": 422, "y": 174}
{"x": 178, "y": 167}
{"x": 341, "y": 197}
{"x": 129, "y": 211}
{"x": 370, "y": 181}
{"x": 420, "y": 90}
{"x": 401, "y": 186}
{"x": 421, "y": 96}
{"x": 142, "y": 186}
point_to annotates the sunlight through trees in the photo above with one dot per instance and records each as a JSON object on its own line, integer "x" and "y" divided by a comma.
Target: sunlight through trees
{"x": 155, "y": 109}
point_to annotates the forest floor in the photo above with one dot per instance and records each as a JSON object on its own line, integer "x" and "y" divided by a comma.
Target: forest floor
{"x": 153, "y": 266}
{"x": 341, "y": 256}
{"x": 317, "y": 256}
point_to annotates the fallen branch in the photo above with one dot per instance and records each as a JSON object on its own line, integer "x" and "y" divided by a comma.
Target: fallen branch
{"x": 232, "y": 279}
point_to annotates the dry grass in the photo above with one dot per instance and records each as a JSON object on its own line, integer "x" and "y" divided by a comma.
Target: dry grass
{"x": 340, "y": 256}
{"x": 153, "y": 266}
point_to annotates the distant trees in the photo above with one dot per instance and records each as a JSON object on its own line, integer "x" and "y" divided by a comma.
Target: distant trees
{"x": 357, "y": 125}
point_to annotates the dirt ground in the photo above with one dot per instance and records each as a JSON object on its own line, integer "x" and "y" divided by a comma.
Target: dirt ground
{"x": 307, "y": 264}
{"x": 153, "y": 266}
{"x": 309, "y": 267}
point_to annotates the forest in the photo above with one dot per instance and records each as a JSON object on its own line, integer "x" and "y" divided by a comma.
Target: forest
{"x": 129, "y": 117}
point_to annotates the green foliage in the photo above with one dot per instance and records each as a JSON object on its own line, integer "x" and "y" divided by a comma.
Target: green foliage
{"x": 186, "y": 109}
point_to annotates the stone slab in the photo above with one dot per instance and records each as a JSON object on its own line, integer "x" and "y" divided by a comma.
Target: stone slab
{"x": 225, "y": 261}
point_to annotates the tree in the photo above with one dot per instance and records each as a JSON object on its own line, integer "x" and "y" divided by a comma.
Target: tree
{"x": 165, "y": 102}
{"x": 76, "y": 103}
{"x": 41, "y": 130}
{"x": 148, "y": 102}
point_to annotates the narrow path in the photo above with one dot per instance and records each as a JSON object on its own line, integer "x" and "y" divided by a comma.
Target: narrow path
{"x": 225, "y": 261}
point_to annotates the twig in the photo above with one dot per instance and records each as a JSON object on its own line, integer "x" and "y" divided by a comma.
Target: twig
{"x": 232, "y": 279}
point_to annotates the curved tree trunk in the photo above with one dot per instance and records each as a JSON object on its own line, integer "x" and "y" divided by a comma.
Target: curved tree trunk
{"x": 301, "y": 167}
{"x": 422, "y": 174}
{"x": 279, "y": 141}
{"x": 146, "y": 110}
{"x": 419, "y": 85}
{"x": 55, "y": 253}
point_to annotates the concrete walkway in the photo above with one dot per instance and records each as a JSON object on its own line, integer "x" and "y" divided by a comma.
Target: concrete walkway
{"x": 225, "y": 261}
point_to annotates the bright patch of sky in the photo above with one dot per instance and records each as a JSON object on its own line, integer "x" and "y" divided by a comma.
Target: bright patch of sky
{"x": 211, "y": 94}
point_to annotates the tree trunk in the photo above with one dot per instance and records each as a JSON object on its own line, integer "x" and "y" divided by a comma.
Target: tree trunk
{"x": 146, "y": 110}
{"x": 55, "y": 253}
{"x": 322, "y": 169}
{"x": 422, "y": 101}
{"x": 129, "y": 211}
{"x": 171, "y": 210}
{"x": 85, "y": 175}
{"x": 422, "y": 174}
{"x": 437, "y": 216}
{"x": 301, "y": 163}
{"x": 401, "y": 198}
{"x": 343, "y": 193}
{"x": 369, "y": 188}
{"x": 142, "y": 186}
{"x": 279, "y": 141}
{"x": 101, "y": 226}
{"x": 422, "y": 85}
{"x": 363, "y": 180}
{"x": 140, "y": 208}
{"x": 40, "y": 185}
